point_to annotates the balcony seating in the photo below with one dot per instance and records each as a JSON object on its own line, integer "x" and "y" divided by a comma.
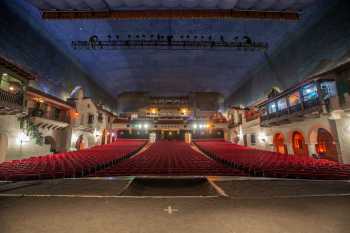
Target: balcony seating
{"x": 169, "y": 158}
{"x": 272, "y": 164}
{"x": 69, "y": 164}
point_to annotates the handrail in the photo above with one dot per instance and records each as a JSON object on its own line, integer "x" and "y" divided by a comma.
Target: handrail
{"x": 292, "y": 109}
{"x": 10, "y": 98}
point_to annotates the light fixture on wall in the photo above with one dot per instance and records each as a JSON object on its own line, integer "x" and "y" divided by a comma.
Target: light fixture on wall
{"x": 97, "y": 133}
{"x": 346, "y": 129}
{"x": 22, "y": 138}
{"x": 262, "y": 137}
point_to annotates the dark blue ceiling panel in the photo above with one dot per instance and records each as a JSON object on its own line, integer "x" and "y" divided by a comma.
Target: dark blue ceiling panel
{"x": 170, "y": 71}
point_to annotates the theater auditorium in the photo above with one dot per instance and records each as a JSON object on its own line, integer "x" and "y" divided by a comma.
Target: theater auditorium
{"x": 176, "y": 116}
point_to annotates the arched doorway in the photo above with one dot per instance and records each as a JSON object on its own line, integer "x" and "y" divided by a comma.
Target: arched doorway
{"x": 299, "y": 146}
{"x": 80, "y": 143}
{"x": 278, "y": 141}
{"x": 104, "y": 137}
{"x": 48, "y": 140}
{"x": 3, "y": 147}
{"x": 325, "y": 146}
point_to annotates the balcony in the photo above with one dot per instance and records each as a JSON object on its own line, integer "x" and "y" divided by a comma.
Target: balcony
{"x": 10, "y": 103}
{"x": 49, "y": 120}
{"x": 306, "y": 109}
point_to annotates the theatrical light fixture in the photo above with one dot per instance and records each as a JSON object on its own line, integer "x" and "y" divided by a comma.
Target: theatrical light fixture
{"x": 244, "y": 43}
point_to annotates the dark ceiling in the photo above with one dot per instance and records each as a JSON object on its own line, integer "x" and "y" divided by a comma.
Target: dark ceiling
{"x": 172, "y": 71}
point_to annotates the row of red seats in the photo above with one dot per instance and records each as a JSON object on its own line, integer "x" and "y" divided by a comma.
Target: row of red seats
{"x": 171, "y": 158}
{"x": 69, "y": 164}
{"x": 272, "y": 164}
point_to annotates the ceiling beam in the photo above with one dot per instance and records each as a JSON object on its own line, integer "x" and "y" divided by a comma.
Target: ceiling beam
{"x": 170, "y": 14}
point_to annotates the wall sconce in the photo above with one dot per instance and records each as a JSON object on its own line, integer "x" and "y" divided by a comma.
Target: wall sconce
{"x": 262, "y": 137}
{"x": 97, "y": 133}
{"x": 22, "y": 138}
{"x": 346, "y": 129}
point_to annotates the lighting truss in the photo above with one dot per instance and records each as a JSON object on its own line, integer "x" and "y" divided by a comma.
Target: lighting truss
{"x": 168, "y": 42}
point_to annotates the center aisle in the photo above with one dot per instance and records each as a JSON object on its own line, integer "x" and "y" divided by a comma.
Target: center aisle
{"x": 169, "y": 158}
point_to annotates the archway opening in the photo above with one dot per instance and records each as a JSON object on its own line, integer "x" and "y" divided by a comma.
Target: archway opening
{"x": 325, "y": 147}
{"x": 280, "y": 146}
{"x": 80, "y": 143}
{"x": 104, "y": 137}
{"x": 48, "y": 140}
{"x": 299, "y": 146}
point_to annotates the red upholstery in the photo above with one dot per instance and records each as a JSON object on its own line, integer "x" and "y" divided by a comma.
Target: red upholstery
{"x": 169, "y": 158}
{"x": 69, "y": 164}
{"x": 273, "y": 164}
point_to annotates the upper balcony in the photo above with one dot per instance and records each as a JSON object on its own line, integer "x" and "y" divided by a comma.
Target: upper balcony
{"x": 10, "y": 103}
{"x": 305, "y": 100}
{"x": 49, "y": 119}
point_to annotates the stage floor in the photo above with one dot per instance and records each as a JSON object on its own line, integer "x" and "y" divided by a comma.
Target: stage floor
{"x": 138, "y": 205}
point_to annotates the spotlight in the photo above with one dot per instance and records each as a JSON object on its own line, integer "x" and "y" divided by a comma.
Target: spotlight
{"x": 195, "y": 126}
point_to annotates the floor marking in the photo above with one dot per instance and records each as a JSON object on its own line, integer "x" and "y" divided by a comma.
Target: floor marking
{"x": 148, "y": 145}
{"x": 195, "y": 148}
{"x": 126, "y": 187}
{"x": 170, "y": 210}
{"x": 217, "y": 188}
{"x": 98, "y": 196}
{"x": 20, "y": 185}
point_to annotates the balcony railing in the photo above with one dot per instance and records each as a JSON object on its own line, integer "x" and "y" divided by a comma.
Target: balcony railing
{"x": 301, "y": 108}
{"x": 8, "y": 99}
{"x": 48, "y": 115}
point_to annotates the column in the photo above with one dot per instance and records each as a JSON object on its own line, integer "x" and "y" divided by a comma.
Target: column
{"x": 311, "y": 148}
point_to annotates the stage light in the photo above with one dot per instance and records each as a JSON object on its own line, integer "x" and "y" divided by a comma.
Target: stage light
{"x": 195, "y": 126}
{"x": 4, "y": 74}
{"x": 11, "y": 88}
{"x": 145, "y": 126}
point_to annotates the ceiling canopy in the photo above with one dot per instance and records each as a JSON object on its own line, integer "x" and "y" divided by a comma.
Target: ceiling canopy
{"x": 164, "y": 70}
{"x": 98, "y": 5}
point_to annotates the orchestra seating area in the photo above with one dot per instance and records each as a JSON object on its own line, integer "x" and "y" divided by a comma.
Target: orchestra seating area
{"x": 271, "y": 164}
{"x": 175, "y": 158}
{"x": 171, "y": 158}
{"x": 69, "y": 164}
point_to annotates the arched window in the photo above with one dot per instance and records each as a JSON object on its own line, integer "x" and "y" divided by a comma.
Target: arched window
{"x": 279, "y": 144}
{"x": 299, "y": 146}
{"x": 325, "y": 146}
